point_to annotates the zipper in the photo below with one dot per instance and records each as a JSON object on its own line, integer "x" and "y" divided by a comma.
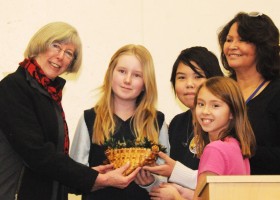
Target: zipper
{"x": 19, "y": 182}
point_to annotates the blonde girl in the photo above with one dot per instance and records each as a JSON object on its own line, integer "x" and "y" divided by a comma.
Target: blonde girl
{"x": 125, "y": 111}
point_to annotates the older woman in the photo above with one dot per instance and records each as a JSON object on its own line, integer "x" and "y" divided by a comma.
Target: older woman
{"x": 250, "y": 51}
{"x": 34, "y": 139}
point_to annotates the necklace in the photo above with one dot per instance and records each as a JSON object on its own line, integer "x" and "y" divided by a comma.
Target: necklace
{"x": 255, "y": 92}
{"x": 189, "y": 136}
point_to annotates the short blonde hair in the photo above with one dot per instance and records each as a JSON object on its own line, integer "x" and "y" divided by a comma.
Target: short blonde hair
{"x": 56, "y": 32}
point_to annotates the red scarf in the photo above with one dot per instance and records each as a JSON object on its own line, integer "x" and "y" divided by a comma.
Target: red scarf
{"x": 52, "y": 87}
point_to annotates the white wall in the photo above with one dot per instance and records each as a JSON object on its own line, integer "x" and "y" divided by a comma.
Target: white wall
{"x": 165, "y": 27}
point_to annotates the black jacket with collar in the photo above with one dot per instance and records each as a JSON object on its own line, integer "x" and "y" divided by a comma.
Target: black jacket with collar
{"x": 33, "y": 165}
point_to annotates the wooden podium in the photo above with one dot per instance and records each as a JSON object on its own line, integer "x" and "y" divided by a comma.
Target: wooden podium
{"x": 241, "y": 188}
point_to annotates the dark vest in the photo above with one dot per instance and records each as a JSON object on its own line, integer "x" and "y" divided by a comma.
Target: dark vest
{"x": 97, "y": 157}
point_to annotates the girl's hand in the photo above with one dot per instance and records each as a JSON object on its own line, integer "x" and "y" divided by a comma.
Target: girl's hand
{"x": 115, "y": 178}
{"x": 144, "y": 178}
{"x": 164, "y": 169}
{"x": 165, "y": 191}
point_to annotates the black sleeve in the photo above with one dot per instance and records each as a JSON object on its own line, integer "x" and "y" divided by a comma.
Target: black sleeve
{"x": 22, "y": 128}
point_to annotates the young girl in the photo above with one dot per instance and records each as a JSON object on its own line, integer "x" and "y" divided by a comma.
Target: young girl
{"x": 192, "y": 67}
{"x": 125, "y": 111}
{"x": 224, "y": 137}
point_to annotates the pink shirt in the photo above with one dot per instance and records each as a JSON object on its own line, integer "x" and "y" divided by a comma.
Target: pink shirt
{"x": 224, "y": 158}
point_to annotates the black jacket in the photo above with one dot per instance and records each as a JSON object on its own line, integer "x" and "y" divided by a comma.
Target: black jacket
{"x": 33, "y": 165}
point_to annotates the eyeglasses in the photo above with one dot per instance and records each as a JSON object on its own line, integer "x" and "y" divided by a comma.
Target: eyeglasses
{"x": 255, "y": 14}
{"x": 57, "y": 48}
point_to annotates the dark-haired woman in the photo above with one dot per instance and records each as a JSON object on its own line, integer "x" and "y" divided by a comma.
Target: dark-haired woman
{"x": 250, "y": 51}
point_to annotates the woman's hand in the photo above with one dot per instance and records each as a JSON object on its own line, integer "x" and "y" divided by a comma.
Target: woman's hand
{"x": 164, "y": 169}
{"x": 104, "y": 168}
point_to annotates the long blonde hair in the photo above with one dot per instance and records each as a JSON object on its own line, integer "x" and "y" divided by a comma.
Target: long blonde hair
{"x": 239, "y": 127}
{"x": 145, "y": 116}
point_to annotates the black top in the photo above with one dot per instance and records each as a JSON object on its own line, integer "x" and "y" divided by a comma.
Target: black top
{"x": 31, "y": 129}
{"x": 264, "y": 115}
{"x": 180, "y": 135}
{"x": 97, "y": 157}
